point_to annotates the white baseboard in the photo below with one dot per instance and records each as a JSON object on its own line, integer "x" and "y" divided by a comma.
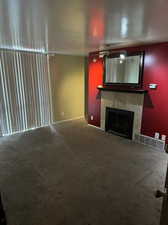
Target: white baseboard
{"x": 95, "y": 126}
{"x": 63, "y": 121}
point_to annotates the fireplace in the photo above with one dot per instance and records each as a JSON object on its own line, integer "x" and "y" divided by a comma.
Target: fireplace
{"x": 119, "y": 122}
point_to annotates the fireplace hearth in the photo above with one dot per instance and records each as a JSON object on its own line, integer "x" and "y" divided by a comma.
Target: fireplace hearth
{"x": 119, "y": 122}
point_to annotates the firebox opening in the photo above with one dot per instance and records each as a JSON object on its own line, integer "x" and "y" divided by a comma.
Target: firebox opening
{"x": 119, "y": 122}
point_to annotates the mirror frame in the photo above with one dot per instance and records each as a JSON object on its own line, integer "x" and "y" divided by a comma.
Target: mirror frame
{"x": 141, "y": 67}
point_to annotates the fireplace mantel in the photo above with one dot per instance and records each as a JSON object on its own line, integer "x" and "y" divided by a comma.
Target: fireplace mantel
{"x": 138, "y": 91}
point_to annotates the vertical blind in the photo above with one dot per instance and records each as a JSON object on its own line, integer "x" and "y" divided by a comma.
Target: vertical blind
{"x": 25, "y": 93}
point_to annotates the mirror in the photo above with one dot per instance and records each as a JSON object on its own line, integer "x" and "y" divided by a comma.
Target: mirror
{"x": 125, "y": 70}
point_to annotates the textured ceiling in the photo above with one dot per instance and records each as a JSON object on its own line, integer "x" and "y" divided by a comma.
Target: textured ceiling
{"x": 80, "y": 26}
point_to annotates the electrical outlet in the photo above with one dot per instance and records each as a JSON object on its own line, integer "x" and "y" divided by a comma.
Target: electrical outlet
{"x": 62, "y": 113}
{"x": 163, "y": 137}
{"x": 91, "y": 117}
{"x": 157, "y": 135}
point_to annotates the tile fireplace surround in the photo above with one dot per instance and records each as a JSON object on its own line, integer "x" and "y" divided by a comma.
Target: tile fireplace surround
{"x": 125, "y": 101}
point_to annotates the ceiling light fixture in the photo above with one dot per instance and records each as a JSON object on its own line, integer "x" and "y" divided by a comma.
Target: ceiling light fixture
{"x": 103, "y": 53}
{"x": 122, "y": 56}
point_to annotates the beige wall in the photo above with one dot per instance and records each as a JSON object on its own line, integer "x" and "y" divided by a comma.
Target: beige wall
{"x": 67, "y": 80}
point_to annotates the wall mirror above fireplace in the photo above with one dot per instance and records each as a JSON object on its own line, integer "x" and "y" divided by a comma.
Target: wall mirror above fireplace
{"x": 124, "y": 69}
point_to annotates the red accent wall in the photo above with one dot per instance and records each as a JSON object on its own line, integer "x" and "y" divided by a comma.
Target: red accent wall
{"x": 94, "y": 99}
{"x": 155, "y": 110}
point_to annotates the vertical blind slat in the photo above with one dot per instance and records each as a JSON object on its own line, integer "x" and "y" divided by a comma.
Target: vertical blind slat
{"x": 25, "y": 94}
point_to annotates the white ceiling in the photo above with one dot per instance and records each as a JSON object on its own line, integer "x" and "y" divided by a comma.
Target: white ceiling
{"x": 81, "y": 26}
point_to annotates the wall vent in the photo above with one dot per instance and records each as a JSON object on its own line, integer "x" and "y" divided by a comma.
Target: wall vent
{"x": 146, "y": 140}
